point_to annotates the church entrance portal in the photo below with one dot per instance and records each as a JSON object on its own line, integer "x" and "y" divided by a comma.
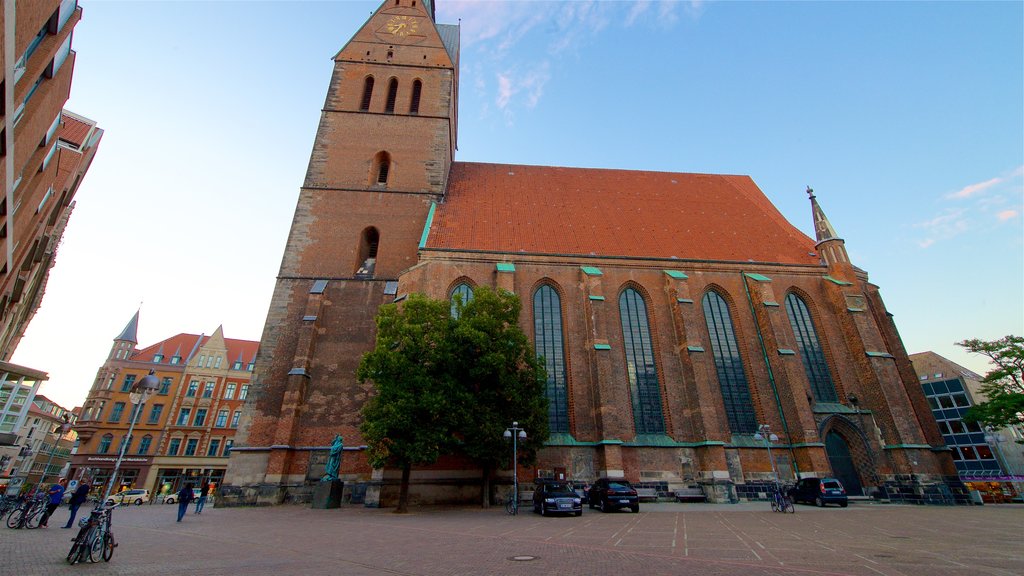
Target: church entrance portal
{"x": 842, "y": 463}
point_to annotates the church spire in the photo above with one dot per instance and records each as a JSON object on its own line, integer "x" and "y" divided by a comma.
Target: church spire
{"x": 830, "y": 246}
{"x": 823, "y": 229}
{"x": 130, "y": 332}
{"x": 124, "y": 344}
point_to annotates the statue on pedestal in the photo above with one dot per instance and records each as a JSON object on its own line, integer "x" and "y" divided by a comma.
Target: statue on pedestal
{"x": 334, "y": 460}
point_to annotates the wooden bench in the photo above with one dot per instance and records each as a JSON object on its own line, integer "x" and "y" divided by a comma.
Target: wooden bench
{"x": 693, "y": 494}
{"x": 647, "y": 494}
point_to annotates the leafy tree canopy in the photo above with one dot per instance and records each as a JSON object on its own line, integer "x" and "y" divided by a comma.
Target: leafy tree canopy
{"x": 1003, "y": 385}
{"x": 410, "y": 420}
{"x": 503, "y": 376}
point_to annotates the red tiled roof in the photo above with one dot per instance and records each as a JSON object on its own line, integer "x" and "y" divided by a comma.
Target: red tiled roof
{"x": 73, "y": 130}
{"x": 186, "y": 343}
{"x": 585, "y": 211}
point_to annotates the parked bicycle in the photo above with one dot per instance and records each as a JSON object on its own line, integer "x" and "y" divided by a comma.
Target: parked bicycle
{"x": 8, "y": 503}
{"x": 95, "y": 539}
{"x": 28, "y": 513}
{"x": 780, "y": 501}
{"x": 512, "y": 507}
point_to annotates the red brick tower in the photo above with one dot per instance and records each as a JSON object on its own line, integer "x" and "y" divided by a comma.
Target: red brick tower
{"x": 381, "y": 157}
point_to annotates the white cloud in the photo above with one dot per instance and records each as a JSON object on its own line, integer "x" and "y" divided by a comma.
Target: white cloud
{"x": 944, "y": 226}
{"x": 972, "y": 189}
{"x": 1007, "y": 215}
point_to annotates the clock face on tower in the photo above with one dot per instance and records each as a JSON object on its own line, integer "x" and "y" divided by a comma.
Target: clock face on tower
{"x": 403, "y": 25}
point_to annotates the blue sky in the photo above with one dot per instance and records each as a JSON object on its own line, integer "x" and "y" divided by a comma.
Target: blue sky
{"x": 907, "y": 118}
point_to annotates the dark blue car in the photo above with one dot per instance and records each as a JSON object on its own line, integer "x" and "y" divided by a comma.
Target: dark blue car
{"x": 819, "y": 491}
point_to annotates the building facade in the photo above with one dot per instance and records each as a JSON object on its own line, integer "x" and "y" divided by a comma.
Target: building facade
{"x": 18, "y": 387}
{"x": 990, "y": 461}
{"x": 45, "y": 152}
{"x": 183, "y": 432}
{"x": 49, "y": 438}
{"x": 677, "y": 313}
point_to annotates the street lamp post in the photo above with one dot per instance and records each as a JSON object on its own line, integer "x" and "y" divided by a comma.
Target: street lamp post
{"x": 63, "y": 430}
{"x": 140, "y": 392}
{"x": 515, "y": 432}
{"x": 764, "y": 433}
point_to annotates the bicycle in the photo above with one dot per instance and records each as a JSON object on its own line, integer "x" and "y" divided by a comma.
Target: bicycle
{"x": 28, "y": 513}
{"x": 95, "y": 539}
{"x": 8, "y": 503}
{"x": 780, "y": 501}
{"x": 512, "y": 507}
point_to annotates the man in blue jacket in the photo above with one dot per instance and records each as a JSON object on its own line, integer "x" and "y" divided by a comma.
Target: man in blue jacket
{"x": 55, "y": 494}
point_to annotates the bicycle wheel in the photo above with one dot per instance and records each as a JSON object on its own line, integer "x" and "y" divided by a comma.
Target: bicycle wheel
{"x": 108, "y": 546}
{"x": 33, "y": 518}
{"x": 73, "y": 555}
{"x": 77, "y": 553}
{"x": 775, "y": 504}
{"x": 788, "y": 506}
{"x": 14, "y": 519}
{"x": 510, "y": 507}
{"x": 96, "y": 545}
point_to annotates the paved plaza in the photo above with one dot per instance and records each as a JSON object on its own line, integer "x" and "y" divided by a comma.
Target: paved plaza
{"x": 666, "y": 538}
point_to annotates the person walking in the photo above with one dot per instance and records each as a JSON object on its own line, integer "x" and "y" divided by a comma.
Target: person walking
{"x": 203, "y": 493}
{"x": 184, "y": 498}
{"x": 80, "y": 495}
{"x": 55, "y": 495}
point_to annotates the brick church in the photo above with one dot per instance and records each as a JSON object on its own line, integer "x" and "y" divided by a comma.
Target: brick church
{"x": 677, "y": 314}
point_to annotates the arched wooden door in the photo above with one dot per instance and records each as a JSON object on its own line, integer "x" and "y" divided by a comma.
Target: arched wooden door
{"x": 842, "y": 463}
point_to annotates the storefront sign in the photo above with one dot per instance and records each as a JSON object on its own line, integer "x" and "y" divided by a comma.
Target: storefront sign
{"x": 110, "y": 459}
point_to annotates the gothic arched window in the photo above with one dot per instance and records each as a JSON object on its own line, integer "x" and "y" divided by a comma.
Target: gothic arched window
{"x": 815, "y": 365}
{"x": 549, "y": 344}
{"x": 414, "y": 103}
{"x": 364, "y": 104}
{"x": 389, "y": 107}
{"x": 731, "y": 378}
{"x": 461, "y": 295}
{"x": 382, "y": 167}
{"x": 368, "y": 252}
{"x": 640, "y": 367}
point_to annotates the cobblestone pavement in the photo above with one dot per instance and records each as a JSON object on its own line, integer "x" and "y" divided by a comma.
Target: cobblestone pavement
{"x": 665, "y": 538}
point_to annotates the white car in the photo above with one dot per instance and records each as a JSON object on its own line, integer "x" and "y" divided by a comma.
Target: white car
{"x": 134, "y": 496}
{"x": 173, "y": 497}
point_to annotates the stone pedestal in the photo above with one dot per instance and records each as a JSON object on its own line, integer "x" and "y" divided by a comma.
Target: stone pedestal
{"x": 327, "y": 495}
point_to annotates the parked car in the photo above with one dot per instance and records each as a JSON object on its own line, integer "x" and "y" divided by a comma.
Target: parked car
{"x": 609, "y": 494}
{"x": 556, "y": 497}
{"x": 133, "y": 496}
{"x": 173, "y": 497}
{"x": 819, "y": 491}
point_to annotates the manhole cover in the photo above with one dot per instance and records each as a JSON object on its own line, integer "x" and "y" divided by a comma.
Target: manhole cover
{"x": 522, "y": 558}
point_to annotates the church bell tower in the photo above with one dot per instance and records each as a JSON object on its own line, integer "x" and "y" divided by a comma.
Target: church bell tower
{"x": 381, "y": 157}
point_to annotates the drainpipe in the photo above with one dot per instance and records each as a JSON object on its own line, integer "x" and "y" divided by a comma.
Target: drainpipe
{"x": 771, "y": 376}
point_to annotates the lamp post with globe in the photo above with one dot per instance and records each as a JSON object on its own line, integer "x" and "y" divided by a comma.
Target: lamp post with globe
{"x": 515, "y": 433}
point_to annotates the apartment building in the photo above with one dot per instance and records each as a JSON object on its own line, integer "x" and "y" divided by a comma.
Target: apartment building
{"x": 45, "y": 153}
{"x": 184, "y": 431}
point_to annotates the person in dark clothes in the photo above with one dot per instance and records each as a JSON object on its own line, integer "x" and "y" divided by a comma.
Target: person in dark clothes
{"x": 79, "y": 497}
{"x": 204, "y": 491}
{"x": 184, "y": 497}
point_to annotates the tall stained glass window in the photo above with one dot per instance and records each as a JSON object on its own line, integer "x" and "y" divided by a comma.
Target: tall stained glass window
{"x": 810, "y": 350}
{"x": 640, "y": 369}
{"x": 731, "y": 378}
{"x": 462, "y": 293}
{"x": 549, "y": 342}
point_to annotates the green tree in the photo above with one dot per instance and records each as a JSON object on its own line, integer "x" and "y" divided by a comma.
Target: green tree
{"x": 1003, "y": 386}
{"x": 505, "y": 380}
{"x": 411, "y": 418}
